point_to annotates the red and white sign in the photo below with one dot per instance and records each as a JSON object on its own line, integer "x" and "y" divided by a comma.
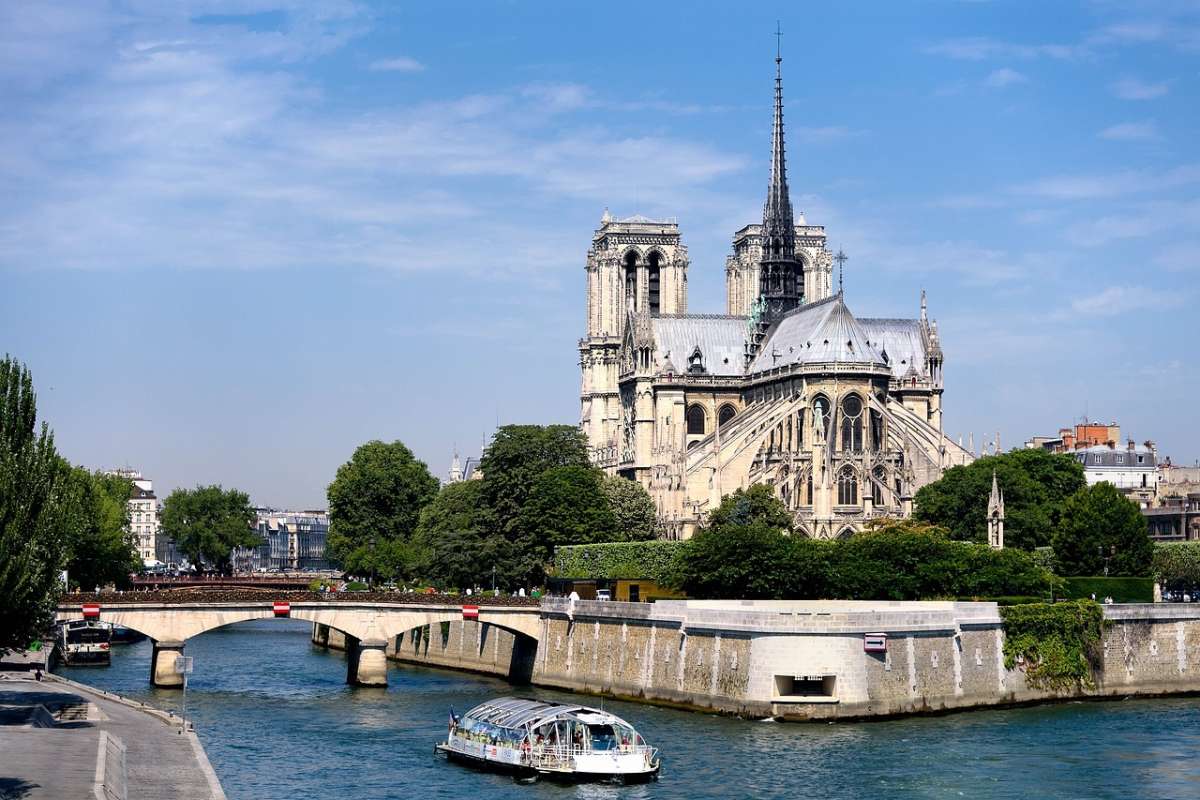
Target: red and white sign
{"x": 281, "y": 609}
{"x": 91, "y": 610}
{"x": 875, "y": 643}
{"x": 470, "y": 612}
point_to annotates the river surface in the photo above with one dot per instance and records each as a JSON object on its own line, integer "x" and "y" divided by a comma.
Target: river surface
{"x": 279, "y": 723}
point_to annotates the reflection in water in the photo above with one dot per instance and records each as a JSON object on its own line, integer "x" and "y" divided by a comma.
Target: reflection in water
{"x": 278, "y": 722}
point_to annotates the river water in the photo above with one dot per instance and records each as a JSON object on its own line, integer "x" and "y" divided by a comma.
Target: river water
{"x": 279, "y": 723}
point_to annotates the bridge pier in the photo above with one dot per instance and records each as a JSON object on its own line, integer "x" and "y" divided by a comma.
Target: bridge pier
{"x": 366, "y": 662}
{"x": 162, "y": 665}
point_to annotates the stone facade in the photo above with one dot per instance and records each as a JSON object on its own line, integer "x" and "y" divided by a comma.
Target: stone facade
{"x": 842, "y": 415}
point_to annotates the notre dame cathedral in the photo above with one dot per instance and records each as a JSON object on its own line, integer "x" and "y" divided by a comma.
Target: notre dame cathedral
{"x": 841, "y": 415}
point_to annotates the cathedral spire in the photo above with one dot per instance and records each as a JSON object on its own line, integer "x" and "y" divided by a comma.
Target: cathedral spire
{"x": 777, "y": 211}
{"x": 781, "y": 280}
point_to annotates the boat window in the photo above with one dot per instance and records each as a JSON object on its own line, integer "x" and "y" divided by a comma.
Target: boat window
{"x": 603, "y": 737}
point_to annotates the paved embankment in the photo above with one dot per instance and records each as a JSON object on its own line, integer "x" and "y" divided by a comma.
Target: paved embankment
{"x": 59, "y": 739}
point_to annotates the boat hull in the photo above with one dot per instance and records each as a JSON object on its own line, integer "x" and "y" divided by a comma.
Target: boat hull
{"x": 522, "y": 771}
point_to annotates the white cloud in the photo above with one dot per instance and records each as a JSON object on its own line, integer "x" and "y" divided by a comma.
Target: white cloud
{"x": 187, "y": 149}
{"x": 982, "y": 48}
{"x": 398, "y": 64}
{"x": 1131, "y": 132}
{"x": 1109, "y": 184}
{"x": 1000, "y": 78}
{"x": 1132, "y": 31}
{"x": 1119, "y": 299}
{"x": 1134, "y": 89}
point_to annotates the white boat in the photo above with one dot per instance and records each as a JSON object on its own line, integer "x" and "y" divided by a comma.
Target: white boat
{"x": 535, "y": 738}
{"x": 85, "y": 641}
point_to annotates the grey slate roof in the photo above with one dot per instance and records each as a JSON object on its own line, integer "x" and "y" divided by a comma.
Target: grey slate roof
{"x": 902, "y": 340}
{"x": 722, "y": 341}
{"x": 820, "y": 332}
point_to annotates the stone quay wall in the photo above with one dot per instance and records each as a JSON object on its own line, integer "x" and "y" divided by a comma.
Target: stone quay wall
{"x": 807, "y": 660}
{"x": 800, "y": 660}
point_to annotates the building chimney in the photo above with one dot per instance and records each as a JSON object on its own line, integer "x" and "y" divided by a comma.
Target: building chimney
{"x": 1131, "y": 444}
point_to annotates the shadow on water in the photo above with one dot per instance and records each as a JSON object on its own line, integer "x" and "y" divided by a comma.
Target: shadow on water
{"x": 278, "y": 721}
{"x": 16, "y": 788}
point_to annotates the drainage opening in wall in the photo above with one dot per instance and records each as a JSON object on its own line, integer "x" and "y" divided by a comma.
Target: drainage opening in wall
{"x": 805, "y": 688}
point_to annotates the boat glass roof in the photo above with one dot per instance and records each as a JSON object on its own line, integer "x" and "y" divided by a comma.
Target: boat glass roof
{"x": 519, "y": 712}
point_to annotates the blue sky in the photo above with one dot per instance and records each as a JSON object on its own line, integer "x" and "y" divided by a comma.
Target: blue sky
{"x": 238, "y": 239}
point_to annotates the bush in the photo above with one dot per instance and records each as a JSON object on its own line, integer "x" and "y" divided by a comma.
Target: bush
{"x": 1176, "y": 561}
{"x": 1057, "y": 645}
{"x": 356, "y": 586}
{"x": 651, "y": 559}
{"x": 898, "y": 562}
{"x": 1121, "y": 590}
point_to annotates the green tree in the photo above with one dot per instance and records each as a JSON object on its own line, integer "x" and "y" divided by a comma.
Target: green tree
{"x": 636, "y": 517}
{"x": 565, "y": 505}
{"x": 897, "y": 560}
{"x": 208, "y": 522}
{"x": 1101, "y": 528}
{"x": 100, "y": 548}
{"x": 517, "y": 457}
{"x": 752, "y": 561}
{"x": 1035, "y": 485}
{"x": 375, "y": 503}
{"x": 758, "y": 504}
{"x": 458, "y": 541}
{"x": 31, "y": 544}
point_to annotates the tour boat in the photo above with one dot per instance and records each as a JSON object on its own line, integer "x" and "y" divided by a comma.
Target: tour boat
{"x": 84, "y": 641}
{"x": 535, "y": 738}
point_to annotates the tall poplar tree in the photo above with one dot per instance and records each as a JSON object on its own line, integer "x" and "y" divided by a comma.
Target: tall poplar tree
{"x": 31, "y": 546}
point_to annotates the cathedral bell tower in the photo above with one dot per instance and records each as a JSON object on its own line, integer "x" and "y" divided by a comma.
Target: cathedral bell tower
{"x": 781, "y": 277}
{"x": 636, "y": 269}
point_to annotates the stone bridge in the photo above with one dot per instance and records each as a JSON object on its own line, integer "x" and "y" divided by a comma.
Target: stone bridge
{"x": 367, "y": 624}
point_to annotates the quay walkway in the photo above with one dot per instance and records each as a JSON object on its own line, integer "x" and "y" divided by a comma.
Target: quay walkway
{"x": 59, "y": 739}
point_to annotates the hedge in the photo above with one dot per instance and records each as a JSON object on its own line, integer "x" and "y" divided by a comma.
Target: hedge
{"x": 651, "y": 560}
{"x": 1121, "y": 590}
{"x": 1177, "y": 561}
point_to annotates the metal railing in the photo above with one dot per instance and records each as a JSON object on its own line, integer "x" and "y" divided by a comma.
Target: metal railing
{"x": 563, "y": 756}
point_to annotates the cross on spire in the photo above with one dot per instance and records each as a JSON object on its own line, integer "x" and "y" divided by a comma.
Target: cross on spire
{"x": 841, "y": 258}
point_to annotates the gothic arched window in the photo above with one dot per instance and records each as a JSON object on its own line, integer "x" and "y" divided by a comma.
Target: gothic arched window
{"x": 727, "y": 413}
{"x": 652, "y": 282}
{"x": 847, "y": 487}
{"x": 631, "y": 261}
{"x": 852, "y": 423}
{"x": 820, "y": 412}
{"x": 880, "y": 480}
{"x": 695, "y": 420}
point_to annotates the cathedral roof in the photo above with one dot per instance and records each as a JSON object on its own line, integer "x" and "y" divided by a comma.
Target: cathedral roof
{"x": 902, "y": 340}
{"x": 818, "y": 333}
{"x": 721, "y": 339}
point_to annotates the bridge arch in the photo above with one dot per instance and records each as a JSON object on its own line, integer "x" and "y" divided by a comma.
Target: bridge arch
{"x": 477, "y": 645}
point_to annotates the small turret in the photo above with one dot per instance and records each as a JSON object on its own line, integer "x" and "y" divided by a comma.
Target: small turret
{"x": 995, "y": 515}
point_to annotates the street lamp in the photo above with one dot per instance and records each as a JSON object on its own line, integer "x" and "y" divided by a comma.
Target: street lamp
{"x": 371, "y": 543}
